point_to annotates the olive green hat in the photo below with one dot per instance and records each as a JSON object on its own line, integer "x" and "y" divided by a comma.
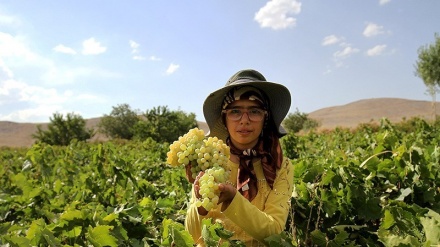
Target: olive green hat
{"x": 278, "y": 96}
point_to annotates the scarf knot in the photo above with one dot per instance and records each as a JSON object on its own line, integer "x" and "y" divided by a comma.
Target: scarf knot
{"x": 250, "y": 152}
{"x": 247, "y": 179}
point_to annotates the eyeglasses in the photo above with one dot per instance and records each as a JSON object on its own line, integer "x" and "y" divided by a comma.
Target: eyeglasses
{"x": 254, "y": 114}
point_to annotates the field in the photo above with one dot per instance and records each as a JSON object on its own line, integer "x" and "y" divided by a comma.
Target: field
{"x": 378, "y": 185}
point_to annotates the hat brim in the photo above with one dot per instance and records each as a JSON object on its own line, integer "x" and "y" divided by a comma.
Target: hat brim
{"x": 279, "y": 103}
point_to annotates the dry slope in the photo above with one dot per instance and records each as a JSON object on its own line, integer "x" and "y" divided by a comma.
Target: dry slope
{"x": 372, "y": 110}
{"x": 350, "y": 115}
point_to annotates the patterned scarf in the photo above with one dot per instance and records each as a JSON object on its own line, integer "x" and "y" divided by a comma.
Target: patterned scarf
{"x": 270, "y": 161}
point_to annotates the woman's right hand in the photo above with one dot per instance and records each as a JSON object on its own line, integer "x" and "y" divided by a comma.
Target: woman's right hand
{"x": 188, "y": 173}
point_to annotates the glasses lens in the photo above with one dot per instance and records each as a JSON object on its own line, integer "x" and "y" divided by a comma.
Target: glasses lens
{"x": 234, "y": 114}
{"x": 254, "y": 114}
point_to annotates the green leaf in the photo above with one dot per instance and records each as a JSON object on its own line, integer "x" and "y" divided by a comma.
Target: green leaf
{"x": 340, "y": 239}
{"x": 223, "y": 233}
{"x": 111, "y": 217}
{"x": 100, "y": 236}
{"x": 164, "y": 203}
{"x": 319, "y": 238}
{"x": 431, "y": 227}
{"x": 51, "y": 240}
{"x": 404, "y": 193}
{"x": 34, "y": 231}
{"x": 279, "y": 240}
{"x": 17, "y": 241}
{"x": 75, "y": 232}
{"x": 329, "y": 202}
{"x": 327, "y": 177}
{"x": 388, "y": 220}
{"x": 370, "y": 209}
{"x": 174, "y": 232}
{"x": 72, "y": 215}
{"x": 182, "y": 238}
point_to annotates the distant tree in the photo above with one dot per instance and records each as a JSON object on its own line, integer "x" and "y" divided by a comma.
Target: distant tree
{"x": 163, "y": 125}
{"x": 120, "y": 122}
{"x": 61, "y": 131}
{"x": 428, "y": 68}
{"x": 294, "y": 122}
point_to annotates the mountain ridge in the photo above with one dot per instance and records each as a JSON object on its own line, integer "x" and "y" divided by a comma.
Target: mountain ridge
{"x": 13, "y": 134}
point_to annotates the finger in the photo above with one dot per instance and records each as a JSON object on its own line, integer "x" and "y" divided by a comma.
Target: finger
{"x": 196, "y": 190}
{"x": 188, "y": 173}
{"x": 227, "y": 192}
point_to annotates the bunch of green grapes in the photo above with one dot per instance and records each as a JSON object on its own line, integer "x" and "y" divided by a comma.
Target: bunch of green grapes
{"x": 182, "y": 151}
{"x": 209, "y": 155}
{"x": 209, "y": 183}
{"x": 200, "y": 152}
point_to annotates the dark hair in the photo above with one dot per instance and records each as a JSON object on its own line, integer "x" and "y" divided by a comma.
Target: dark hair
{"x": 271, "y": 140}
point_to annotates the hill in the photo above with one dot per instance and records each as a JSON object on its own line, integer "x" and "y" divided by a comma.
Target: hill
{"x": 372, "y": 111}
{"x": 350, "y": 115}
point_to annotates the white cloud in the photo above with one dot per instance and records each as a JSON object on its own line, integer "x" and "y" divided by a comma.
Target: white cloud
{"x": 372, "y": 29}
{"x": 41, "y": 113}
{"x": 92, "y": 47}
{"x": 38, "y": 98}
{"x": 276, "y": 14}
{"x": 134, "y": 46}
{"x": 5, "y": 70}
{"x": 330, "y": 40}
{"x": 9, "y": 20}
{"x": 154, "y": 58}
{"x": 345, "y": 53}
{"x": 40, "y": 102}
{"x": 172, "y": 68}
{"x": 383, "y": 2}
{"x": 140, "y": 58}
{"x": 377, "y": 50}
{"x": 11, "y": 46}
{"x": 64, "y": 49}
{"x": 57, "y": 75}
{"x": 135, "y": 51}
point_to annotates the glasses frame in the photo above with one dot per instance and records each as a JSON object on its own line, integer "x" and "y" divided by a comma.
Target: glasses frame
{"x": 243, "y": 111}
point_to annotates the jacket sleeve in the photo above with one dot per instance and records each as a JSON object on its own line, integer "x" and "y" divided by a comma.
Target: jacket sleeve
{"x": 193, "y": 220}
{"x": 272, "y": 219}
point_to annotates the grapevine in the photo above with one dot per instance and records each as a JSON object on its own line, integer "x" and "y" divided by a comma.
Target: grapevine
{"x": 209, "y": 155}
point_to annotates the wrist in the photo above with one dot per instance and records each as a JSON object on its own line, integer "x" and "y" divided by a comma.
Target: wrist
{"x": 226, "y": 203}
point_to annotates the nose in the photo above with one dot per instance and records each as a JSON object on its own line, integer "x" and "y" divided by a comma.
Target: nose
{"x": 243, "y": 119}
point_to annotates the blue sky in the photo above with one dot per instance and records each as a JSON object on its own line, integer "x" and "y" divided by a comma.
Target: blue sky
{"x": 86, "y": 57}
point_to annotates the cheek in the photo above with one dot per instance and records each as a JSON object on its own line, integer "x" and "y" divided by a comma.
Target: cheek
{"x": 260, "y": 127}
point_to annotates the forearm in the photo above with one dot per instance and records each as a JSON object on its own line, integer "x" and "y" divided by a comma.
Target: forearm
{"x": 270, "y": 216}
{"x": 257, "y": 223}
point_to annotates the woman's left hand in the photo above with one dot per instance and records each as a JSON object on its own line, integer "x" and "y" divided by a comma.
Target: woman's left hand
{"x": 227, "y": 193}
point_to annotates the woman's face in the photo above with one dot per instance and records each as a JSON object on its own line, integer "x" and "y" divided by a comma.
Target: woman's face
{"x": 244, "y": 132}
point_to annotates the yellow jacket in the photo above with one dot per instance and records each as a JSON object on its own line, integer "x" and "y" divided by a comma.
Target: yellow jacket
{"x": 252, "y": 221}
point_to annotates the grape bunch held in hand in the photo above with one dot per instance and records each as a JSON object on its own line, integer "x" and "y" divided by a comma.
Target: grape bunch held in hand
{"x": 209, "y": 155}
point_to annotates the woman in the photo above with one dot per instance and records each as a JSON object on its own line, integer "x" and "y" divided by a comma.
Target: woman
{"x": 247, "y": 114}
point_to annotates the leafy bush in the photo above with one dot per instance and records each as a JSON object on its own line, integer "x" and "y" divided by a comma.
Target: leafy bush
{"x": 164, "y": 125}
{"x": 366, "y": 188}
{"x": 159, "y": 123}
{"x": 61, "y": 131}
{"x": 297, "y": 121}
{"x": 120, "y": 122}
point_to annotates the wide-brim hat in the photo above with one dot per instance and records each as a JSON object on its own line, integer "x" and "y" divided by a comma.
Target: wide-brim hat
{"x": 278, "y": 96}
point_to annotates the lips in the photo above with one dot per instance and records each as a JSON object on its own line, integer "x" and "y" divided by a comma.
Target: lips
{"x": 244, "y": 131}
